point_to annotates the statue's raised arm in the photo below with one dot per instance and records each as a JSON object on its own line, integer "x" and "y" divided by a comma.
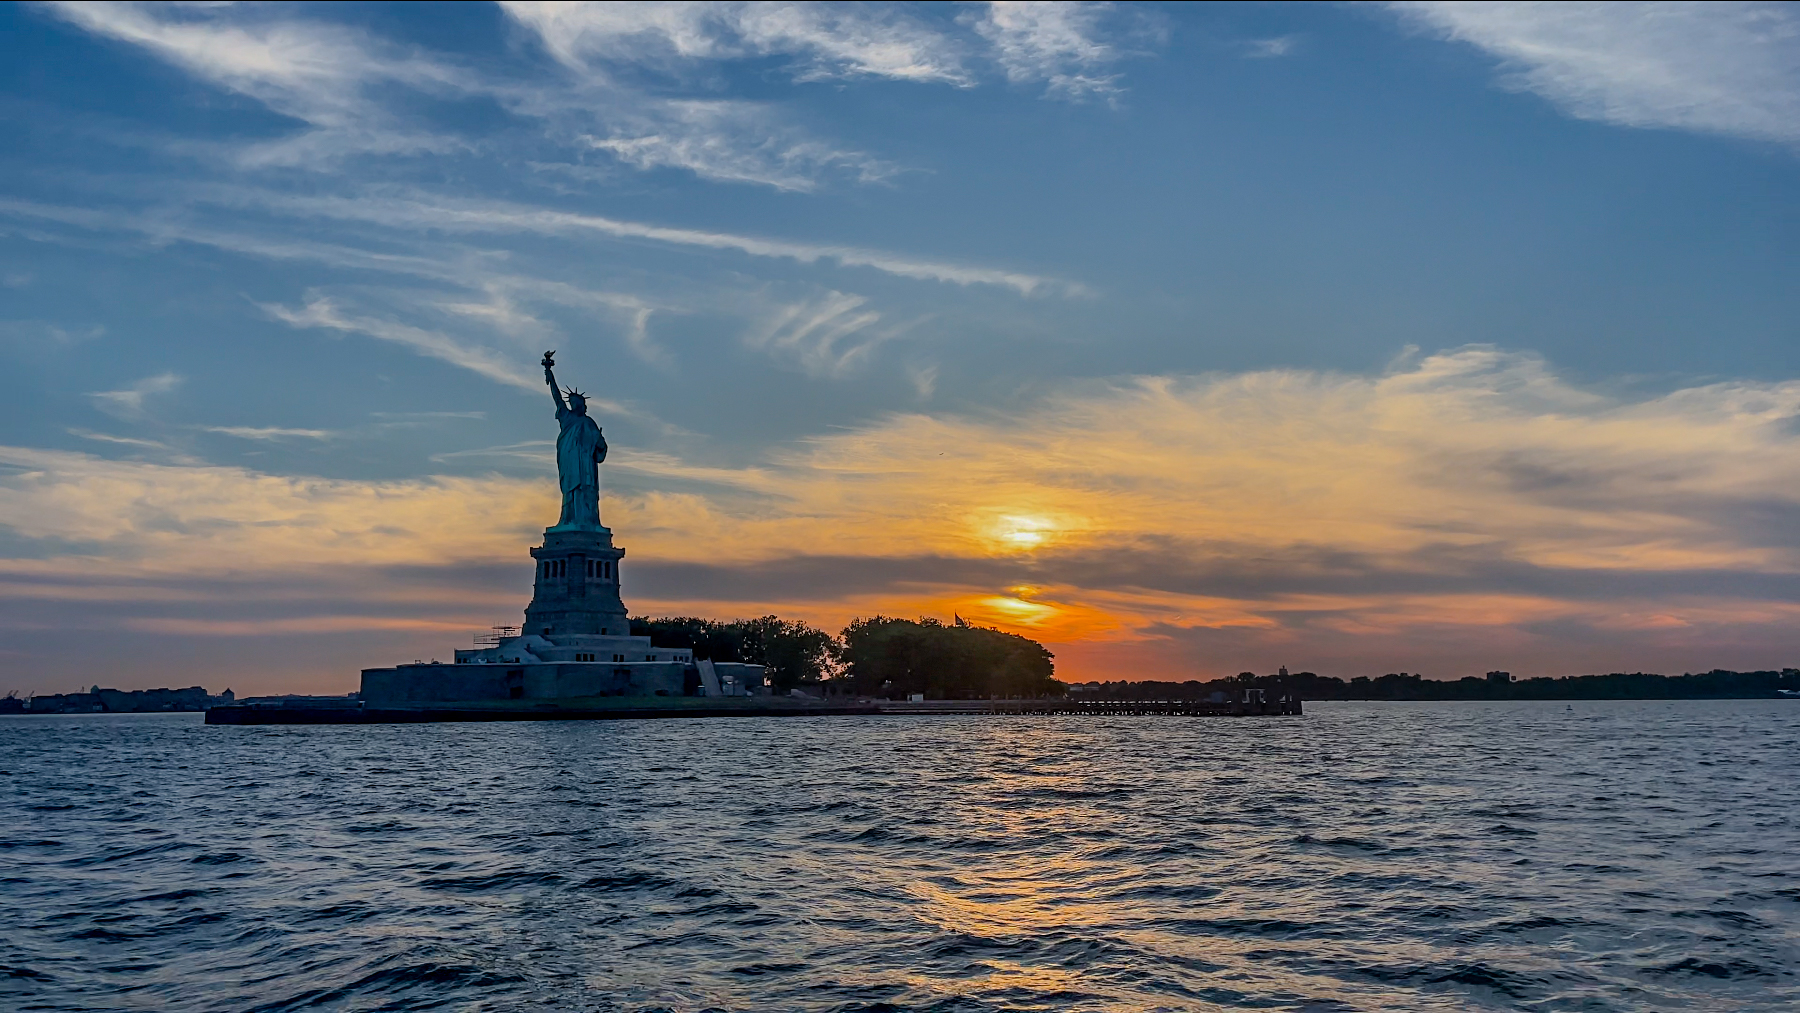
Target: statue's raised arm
{"x": 550, "y": 378}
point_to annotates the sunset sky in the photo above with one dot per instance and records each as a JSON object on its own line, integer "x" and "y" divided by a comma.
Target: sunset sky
{"x": 1363, "y": 338}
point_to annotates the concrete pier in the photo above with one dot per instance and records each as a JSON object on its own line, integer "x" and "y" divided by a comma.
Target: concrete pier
{"x": 355, "y": 712}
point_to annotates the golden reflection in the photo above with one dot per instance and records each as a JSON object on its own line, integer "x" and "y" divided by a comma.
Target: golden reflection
{"x": 1032, "y": 899}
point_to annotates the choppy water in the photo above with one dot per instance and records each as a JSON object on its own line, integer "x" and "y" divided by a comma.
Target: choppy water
{"x": 1367, "y": 856}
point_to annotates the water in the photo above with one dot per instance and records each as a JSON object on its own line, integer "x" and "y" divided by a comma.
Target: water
{"x": 1616, "y": 856}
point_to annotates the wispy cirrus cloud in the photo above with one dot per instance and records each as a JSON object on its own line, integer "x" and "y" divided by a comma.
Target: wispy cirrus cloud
{"x": 604, "y": 46}
{"x": 270, "y": 433}
{"x": 320, "y": 311}
{"x": 126, "y": 441}
{"x": 347, "y": 86}
{"x": 128, "y": 401}
{"x": 1270, "y": 48}
{"x": 826, "y": 336}
{"x": 325, "y": 75}
{"x": 455, "y": 215}
{"x": 731, "y": 141}
{"x": 540, "y": 454}
{"x": 820, "y": 40}
{"x": 1060, "y": 45}
{"x": 1727, "y": 68}
{"x": 422, "y": 212}
{"x": 481, "y": 318}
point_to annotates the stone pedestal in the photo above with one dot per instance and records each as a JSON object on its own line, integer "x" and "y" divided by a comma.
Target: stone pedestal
{"x": 577, "y": 588}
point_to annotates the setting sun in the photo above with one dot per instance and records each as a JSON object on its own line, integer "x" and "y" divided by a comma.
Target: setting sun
{"x": 1018, "y": 610}
{"x": 1025, "y": 532}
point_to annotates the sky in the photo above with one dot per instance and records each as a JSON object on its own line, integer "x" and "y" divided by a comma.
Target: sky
{"x": 1185, "y": 339}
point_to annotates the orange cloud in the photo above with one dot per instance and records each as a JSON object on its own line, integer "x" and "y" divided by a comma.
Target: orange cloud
{"x": 1472, "y": 493}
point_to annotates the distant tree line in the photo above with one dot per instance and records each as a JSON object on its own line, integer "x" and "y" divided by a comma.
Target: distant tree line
{"x": 883, "y": 656}
{"x": 1718, "y": 684}
{"x": 878, "y": 656}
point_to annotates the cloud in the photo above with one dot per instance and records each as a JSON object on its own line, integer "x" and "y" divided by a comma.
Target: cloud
{"x": 320, "y": 311}
{"x": 681, "y": 122}
{"x": 282, "y": 627}
{"x": 734, "y": 142}
{"x": 150, "y": 518}
{"x": 434, "y": 213}
{"x": 537, "y": 453}
{"x": 159, "y": 226}
{"x": 351, "y": 90}
{"x": 605, "y": 44}
{"x": 270, "y": 432}
{"x": 44, "y": 332}
{"x": 637, "y": 82}
{"x": 451, "y": 215}
{"x": 128, "y": 441}
{"x": 321, "y": 74}
{"x": 924, "y": 380}
{"x": 505, "y": 291}
{"x": 1727, "y": 68}
{"x": 826, "y": 336}
{"x": 1280, "y": 45}
{"x": 1053, "y": 42}
{"x": 128, "y": 403}
{"x": 822, "y": 40}
{"x": 1468, "y": 501}
{"x": 493, "y": 300}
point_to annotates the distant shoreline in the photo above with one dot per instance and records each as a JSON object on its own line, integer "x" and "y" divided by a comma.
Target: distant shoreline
{"x": 1718, "y": 684}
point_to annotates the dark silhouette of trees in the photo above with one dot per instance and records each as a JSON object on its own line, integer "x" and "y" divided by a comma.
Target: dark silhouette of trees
{"x": 898, "y": 657}
{"x": 874, "y": 657}
{"x": 793, "y": 652}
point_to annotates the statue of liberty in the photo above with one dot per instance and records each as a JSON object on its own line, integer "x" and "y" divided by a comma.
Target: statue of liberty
{"x": 580, "y": 448}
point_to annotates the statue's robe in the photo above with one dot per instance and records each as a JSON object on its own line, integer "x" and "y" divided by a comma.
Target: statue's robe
{"x": 579, "y": 450}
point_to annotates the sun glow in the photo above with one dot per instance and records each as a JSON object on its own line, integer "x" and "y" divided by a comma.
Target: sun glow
{"x": 1018, "y": 610}
{"x": 1018, "y": 531}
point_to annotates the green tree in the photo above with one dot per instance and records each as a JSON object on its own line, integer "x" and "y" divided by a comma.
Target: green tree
{"x": 884, "y": 656}
{"x": 791, "y": 651}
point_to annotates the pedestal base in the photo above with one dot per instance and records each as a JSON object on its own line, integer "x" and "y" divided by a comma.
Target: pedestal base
{"x": 577, "y": 589}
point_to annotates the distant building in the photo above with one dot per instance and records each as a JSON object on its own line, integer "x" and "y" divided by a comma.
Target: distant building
{"x": 1499, "y": 677}
{"x": 117, "y": 701}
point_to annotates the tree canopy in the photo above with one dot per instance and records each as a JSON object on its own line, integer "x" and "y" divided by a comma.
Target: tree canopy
{"x": 878, "y": 656}
{"x": 793, "y": 652}
{"x": 896, "y": 657}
